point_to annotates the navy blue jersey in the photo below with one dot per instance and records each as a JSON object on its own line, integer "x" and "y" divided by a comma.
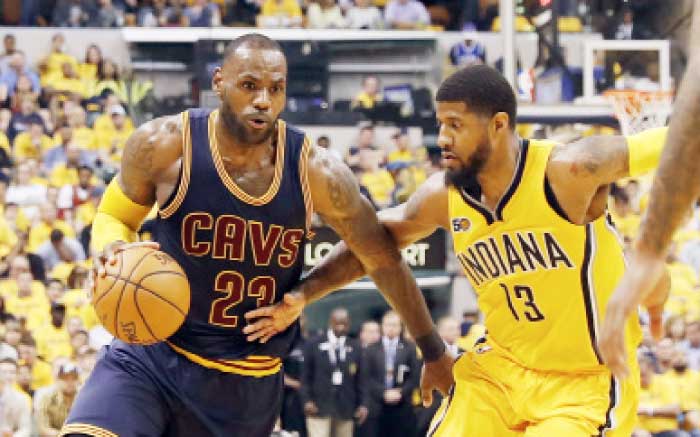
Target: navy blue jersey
{"x": 239, "y": 252}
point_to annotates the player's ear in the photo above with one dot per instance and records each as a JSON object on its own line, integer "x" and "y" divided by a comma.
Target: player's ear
{"x": 216, "y": 81}
{"x": 499, "y": 124}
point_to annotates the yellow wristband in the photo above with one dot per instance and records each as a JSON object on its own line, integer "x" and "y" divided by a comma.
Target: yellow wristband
{"x": 117, "y": 219}
{"x": 644, "y": 150}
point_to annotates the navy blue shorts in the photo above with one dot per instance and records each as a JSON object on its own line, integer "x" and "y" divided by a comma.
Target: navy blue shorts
{"x": 153, "y": 391}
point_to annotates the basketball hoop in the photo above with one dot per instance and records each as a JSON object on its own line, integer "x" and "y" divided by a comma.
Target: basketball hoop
{"x": 640, "y": 110}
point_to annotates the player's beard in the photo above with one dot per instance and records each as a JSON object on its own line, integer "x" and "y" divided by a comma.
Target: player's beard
{"x": 240, "y": 130}
{"x": 465, "y": 176}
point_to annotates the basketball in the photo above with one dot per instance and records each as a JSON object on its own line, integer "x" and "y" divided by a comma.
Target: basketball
{"x": 144, "y": 297}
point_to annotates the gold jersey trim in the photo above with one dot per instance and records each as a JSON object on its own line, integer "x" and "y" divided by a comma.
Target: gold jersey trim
{"x": 305, "y": 187}
{"x": 253, "y": 365}
{"x": 84, "y": 428}
{"x": 174, "y": 203}
{"x": 230, "y": 183}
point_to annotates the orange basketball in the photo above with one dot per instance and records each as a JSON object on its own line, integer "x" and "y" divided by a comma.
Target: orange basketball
{"x": 144, "y": 297}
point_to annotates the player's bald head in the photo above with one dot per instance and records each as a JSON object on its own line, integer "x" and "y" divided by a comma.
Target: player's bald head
{"x": 251, "y": 41}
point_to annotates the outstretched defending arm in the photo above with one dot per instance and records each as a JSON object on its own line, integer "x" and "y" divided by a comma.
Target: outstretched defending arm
{"x": 675, "y": 189}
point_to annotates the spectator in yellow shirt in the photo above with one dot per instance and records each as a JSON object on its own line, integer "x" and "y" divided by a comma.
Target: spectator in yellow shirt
{"x": 280, "y": 13}
{"x": 66, "y": 173}
{"x": 32, "y": 143}
{"x": 27, "y": 305}
{"x": 686, "y": 382}
{"x": 41, "y": 231}
{"x": 68, "y": 82}
{"x": 658, "y": 402}
{"x": 104, "y": 122}
{"x": 55, "y": 60}
{"x": 111, "y": 142}
{"x": 377, "y": 180}
{"x": 88, "y": 70}
{"x": 82, "y": 135}
{"x": 42, "y": 374}
{"x": 8, "y": 238}
{"x": 52, "y": 339}
{"x": 108, "y": 78}
{"x": 18, "y": 265}
{"x": 369, "y": 95}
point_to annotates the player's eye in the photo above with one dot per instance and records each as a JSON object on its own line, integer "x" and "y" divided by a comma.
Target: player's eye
{"x": 276, "y": 89}
{"x": 454, "y": 125}
{"x": 248, "y": 85}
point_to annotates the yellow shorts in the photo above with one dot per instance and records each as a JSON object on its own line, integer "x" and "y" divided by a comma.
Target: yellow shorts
{"x": 494, "y": 396}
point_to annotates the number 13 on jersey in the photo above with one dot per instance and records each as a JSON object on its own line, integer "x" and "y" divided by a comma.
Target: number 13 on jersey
{"x": 233, "y": 285}
{"x": 524, "y": 294}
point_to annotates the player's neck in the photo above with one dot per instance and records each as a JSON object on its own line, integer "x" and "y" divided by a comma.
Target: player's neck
{"x": 237, "y": 154}
{"x": 497, "y": 174}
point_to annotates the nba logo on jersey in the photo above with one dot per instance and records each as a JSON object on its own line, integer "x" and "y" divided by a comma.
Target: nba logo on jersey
{"x": 460, "y": 224}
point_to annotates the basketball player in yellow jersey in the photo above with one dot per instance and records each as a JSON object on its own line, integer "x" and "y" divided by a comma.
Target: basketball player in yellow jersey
{"x": 532, "y": 233}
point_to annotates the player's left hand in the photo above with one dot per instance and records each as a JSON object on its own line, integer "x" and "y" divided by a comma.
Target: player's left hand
{"x": 436, "y": 375}
{"x": 645, "y": 282}
{"x": 273, "y": 319}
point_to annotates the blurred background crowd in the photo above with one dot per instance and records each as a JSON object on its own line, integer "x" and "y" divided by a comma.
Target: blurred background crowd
{"x": 65, "y": 115}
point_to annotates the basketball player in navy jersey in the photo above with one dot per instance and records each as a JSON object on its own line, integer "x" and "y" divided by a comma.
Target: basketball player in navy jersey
{"x": 235, "y": 189}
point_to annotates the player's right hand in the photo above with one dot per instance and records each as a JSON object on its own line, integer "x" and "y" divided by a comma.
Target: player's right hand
{"x": 646, "y": 282}
{"x": 108, "y": 257}
{"x": 273, "y": 319}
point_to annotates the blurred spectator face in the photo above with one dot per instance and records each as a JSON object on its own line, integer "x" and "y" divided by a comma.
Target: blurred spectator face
{"x": 12, "y": 337}
{"x": 72, "y": 155}
{"x": 57, "y": 42}
{"x": 370, "y": 85}
{"x": 58, "y": 315}
{"x": 628, "y": 17}
{"x": 402, "y": 141}
{"x": 27, "y": 353}
{"x": 665, "y": 350}
{"x": 17, "y": 62}
{"x": 448, "y": 328}
{"x": 369, "y": 333}
{"x": 339, "y": 322}
{"x": 24, "y": 376}
{"x": 118, "y": 116}
{"x": 675, "y": 328}
{"x": 55, "y": 291}
{"x": 19, "y": 265}
{"x": 36, "y": 130}
{"x": 8, "y": 373}
{"x": 366, "y": 138}
{"x": 66, "y": 134}
{"x": 24, "y": 284}
{"x": 74, "y": 325}
{"x": 693, "y": 334}
{"x": 93, "y": 55}
{"x": 52, "y": 195}
{"x": 77, "y": 117}
{"x": 84, "y": 177}
{"x": 361, "y": 3}
{"x": 9, "y": 42}
{"x": 109, "y": 69}
{"x": 323, "y": 142}
{"x": 24, "y": 84}
{"x": 68, "y": 382}
{"x": 78, "y": 340}
{"x": 391, "y": 325}
{"x": 48, "y": 213}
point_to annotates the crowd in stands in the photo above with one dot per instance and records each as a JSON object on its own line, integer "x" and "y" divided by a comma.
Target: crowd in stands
{"x": 479, "y": 15}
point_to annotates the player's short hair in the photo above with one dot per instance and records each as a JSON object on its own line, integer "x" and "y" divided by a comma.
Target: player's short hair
{"x": 483, "y": 89}
{"x": 254, "y": 41}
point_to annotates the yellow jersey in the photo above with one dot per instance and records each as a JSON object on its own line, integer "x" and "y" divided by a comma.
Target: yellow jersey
{"x": 542, "y": 282}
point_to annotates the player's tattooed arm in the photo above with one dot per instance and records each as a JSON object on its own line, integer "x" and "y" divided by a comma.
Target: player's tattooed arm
{"x": 338, "y": 201}
{"x": 424, "y": 211}
{"x": 148, "y": 155}
{"x": 580, "y": 172}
